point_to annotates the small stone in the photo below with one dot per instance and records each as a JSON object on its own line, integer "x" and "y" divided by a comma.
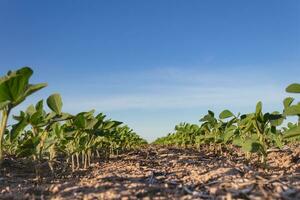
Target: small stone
{"x": 213, "y": 190}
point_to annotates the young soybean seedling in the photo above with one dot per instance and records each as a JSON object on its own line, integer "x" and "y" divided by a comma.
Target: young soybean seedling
{"x": 292, "y": 110}
{"x": 14, "y": 89}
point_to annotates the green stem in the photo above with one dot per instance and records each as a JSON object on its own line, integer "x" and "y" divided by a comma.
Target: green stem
{"x": 85, "y": 160}
{"x": 5, "y": 114}
{"x": 73, "y": 165}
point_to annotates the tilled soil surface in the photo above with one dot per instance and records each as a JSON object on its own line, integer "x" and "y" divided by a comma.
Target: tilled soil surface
{"x": 162, "y": 173}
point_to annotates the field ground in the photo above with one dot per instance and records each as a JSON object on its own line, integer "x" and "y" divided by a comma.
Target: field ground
{"x": 161, "y": 173}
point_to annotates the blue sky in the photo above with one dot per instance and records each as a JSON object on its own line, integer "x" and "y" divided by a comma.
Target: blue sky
{"x": 153, "y": 64}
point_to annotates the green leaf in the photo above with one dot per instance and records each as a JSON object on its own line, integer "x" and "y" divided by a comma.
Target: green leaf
{"x": 251, "y": 146}
{"x": 4, "y": 104}
{"x": 228, "y": 134}
{"x": 225, "y": 114}
{"x": 293, "y": 88}
{"x": 37, "y": 118}
{"x": 237, "y": 141}
{"x": 33, "y": 88}
{"x": 287, "y": 102}
{"x": 211, "y": 113}
{"x": 50, "y": 116}
{"x": 276, "y": 119}
{"x": 100, "y": 116}
{"x": 39, "y": 105}
{"x": 111, "y": 124}
{"x": 91, "y": 123}
{"x": 15, "y": 86}
{"x": 292, "y": 110}
{"x": 273, "y": 116}
{"x": 258, "y": 109}
{"x": 20, "y": 117}
{"x": 55, "y": 103}
{"x": 209, "y": 118}
{"x": 65, "y": 116}
{"x": 28, "y": 147}
{"x": 291, "y": 133}
{"x": 18, "y": 128}
{"x": 24, "y": 71}
{"x": 291, "y": 125}
{"x": 8, "y": 76}
{"x": 30, "y": 110}
{"x": 80, "y": 121}
{"x": 5, "y": 93}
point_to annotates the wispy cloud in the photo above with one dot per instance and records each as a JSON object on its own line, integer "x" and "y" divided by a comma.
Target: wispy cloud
{"x": 173, "y": 88}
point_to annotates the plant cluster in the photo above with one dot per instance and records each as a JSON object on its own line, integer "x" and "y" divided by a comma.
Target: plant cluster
{"x": 252, "y": 132}
{"x": 47, "y": 136}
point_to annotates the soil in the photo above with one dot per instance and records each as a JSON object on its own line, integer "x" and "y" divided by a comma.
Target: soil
{"x": 160, "y": 173}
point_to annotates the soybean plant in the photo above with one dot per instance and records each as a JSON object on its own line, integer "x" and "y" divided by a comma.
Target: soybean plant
{"x": 14, "y": 89}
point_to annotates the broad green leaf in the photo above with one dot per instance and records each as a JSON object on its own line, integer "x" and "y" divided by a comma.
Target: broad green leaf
{"x": 100, "y": 116}
{"x": 33, "y": 88}
{"x": 37, "y": 119}
{"x": 117, "y": 123}
{"x": 292, "y": 110}
{"x": 65, "y": 116}
{"x": 55, "y": 103}
{"x": 237, "y": 141}
{"x": 50, "y": 116}
{"x": 24, "y": 71}
{"x": 30, "y": 110}
{"x": 80, "y": 121}
{"x": 28, "y": 147}
{"x": 18, "y": 128}
{"x": 291, "y": 125}
{"x": 211, "y": 113}
{"x": 293, "y": 132}
{"x": 91, "y": 123}
{"x": 209, "y": 118}
{"x": 251, "y": 146}
{"x": 276, "y": 118}
{"x": 20, "y": 117}
{"x": 277, "y": 122}
{"x": 287, "y": 102}
{"x": 293, "y": 88}
{"x": 244, "y": 116}
{"x": 228, "y": 135}
{"x": 39, "y": 106}
{"x": 8, "y": 76}
{"x": 5, "y": 95}
{"x": 15, "y": 86}
{"x": 4, "y": 104}
{"x": 225, "y": 114}
{"x": 258, "y": 109}
{"x": 111, "y": 124}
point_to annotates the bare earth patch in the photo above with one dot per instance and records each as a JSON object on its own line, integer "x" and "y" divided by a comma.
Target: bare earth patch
{"x": 161, "y": 173}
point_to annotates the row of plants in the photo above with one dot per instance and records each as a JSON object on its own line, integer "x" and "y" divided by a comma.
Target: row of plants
{"x": 48, "y": 136}
{"x": 254, "y": 132}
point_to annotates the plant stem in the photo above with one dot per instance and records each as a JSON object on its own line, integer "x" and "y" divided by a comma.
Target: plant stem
{"x": 5, "y": 114}
{"x": 77, "y": 160}
{"x": 73, "y": 165}
{"x": 85, "y": 161}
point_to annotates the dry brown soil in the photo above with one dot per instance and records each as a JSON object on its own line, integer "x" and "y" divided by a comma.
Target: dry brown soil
{"x": 161, "y": 173}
